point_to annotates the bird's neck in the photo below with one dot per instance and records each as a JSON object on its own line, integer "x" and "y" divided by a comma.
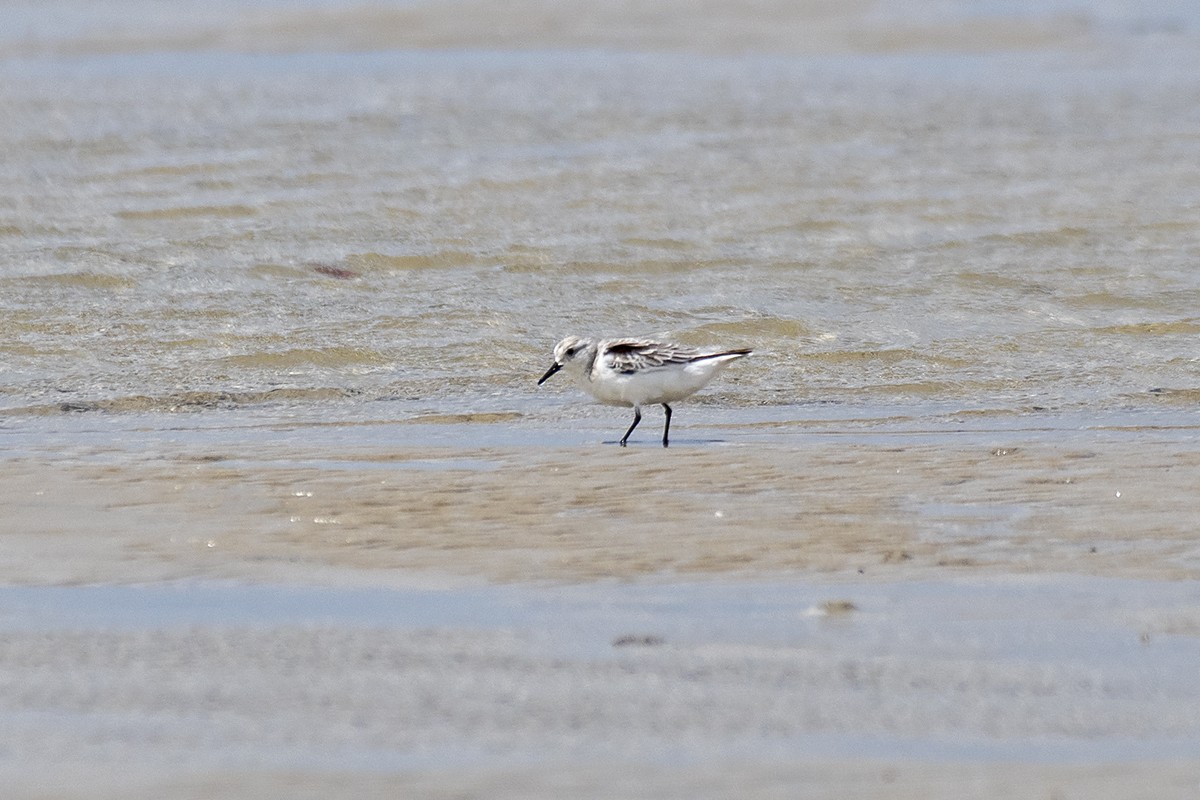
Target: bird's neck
{"x": 589, "y": 363}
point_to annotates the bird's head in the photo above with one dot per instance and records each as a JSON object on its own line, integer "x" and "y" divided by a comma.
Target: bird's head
{"x": 571, "y": 351}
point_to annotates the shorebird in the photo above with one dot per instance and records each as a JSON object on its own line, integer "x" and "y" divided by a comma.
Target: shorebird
{"x": 636, "y": 372}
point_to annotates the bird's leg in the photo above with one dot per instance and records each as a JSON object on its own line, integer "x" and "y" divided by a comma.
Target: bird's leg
{"x": 637, "y": 417}
{"x": 667, "y": 427}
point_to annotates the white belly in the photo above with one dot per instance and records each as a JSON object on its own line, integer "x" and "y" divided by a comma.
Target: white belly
{"x": 650, "y": 386}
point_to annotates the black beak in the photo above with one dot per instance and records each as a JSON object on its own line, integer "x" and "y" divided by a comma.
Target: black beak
{"x": 550, "y": 372}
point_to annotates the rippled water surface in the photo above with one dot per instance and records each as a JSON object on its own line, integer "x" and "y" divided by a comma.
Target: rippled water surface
{"x": 989, "y": 209}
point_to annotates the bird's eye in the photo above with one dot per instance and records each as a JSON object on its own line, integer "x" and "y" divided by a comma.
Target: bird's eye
{"x": 570, "y": 351}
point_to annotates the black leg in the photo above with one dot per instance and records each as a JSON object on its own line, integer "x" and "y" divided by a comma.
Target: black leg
{"x": 637, "y": 417}
{"x": 667, "y": 427}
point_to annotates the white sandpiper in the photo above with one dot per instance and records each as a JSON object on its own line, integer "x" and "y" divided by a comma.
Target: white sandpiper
{"x": 634, "y": 372}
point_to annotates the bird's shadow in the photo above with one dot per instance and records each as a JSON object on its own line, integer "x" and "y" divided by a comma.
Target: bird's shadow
{"x": 658, "y": 444}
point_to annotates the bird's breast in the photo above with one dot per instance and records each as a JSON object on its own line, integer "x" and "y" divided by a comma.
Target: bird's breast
{"x": 649, "y": 386}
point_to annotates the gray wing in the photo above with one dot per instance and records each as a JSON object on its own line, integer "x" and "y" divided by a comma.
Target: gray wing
{"x": 634, "y": 355}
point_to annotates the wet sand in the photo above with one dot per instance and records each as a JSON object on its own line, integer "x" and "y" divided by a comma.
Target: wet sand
{"x": 1010, "y": 687}
{"x": 757, "y": 611}
{"x": 724, "y": 501}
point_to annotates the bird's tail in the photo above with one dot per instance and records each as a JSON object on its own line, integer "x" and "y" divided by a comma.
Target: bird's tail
{"x": 724, "y": 355}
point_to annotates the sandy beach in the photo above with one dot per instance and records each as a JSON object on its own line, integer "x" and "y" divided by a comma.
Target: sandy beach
{"x": 756, "y": 614}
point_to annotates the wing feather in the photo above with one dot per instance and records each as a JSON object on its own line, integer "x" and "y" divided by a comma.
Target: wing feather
{"x": 635, "y": 355}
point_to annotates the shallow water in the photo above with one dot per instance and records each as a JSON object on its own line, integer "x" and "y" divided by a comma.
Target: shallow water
{"x": 202, "y": 209}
